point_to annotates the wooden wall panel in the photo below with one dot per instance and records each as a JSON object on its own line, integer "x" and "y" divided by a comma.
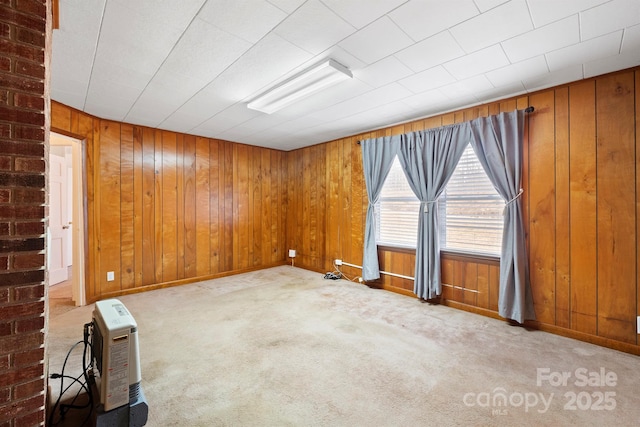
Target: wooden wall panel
{"x": 581, "y": 207}
{"x": 562, "y": 238}
{"x": 169, "y": 207}
{"x": 214, "y": 206}
{"x": 583, "y": 200}
{"x": 110, "y": 204}
{"x": 541, "y": 199}
{"x": 127, "y": 231}
{"x": 180, "y": 202}
{"x": 148, "y": 209}
{"x": 580, "y": 203}
{"x": 157, "y": 207}
{"x": 202, "y": 226}
{"x": 160, "y": 205}
{"x": 637, "y": 121}
{"x": 138, "y": 205}
{"x": 616, "y": 240}
{"x": 190, "y": 207}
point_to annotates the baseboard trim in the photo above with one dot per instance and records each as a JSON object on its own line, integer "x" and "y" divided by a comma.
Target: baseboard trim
{"x": 552, "y": 329}
{"x": 180, "y": 282}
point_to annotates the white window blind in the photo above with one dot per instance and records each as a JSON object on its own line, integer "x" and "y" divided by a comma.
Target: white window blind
{"x": 470, "y": 210}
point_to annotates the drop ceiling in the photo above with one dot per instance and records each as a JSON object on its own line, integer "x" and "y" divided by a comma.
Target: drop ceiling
{"x": 192, "y": 65}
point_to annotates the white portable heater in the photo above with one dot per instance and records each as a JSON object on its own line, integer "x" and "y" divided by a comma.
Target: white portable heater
{"x": 117, "y": 359}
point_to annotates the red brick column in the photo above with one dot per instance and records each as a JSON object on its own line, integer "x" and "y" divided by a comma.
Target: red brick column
{"x": 24, "y": 121}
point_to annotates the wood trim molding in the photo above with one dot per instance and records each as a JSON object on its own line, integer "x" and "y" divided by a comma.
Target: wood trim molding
{"x": 55, "y": 14}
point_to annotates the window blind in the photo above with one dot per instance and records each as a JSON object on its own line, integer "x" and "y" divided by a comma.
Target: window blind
{"x": 470, "y": 210}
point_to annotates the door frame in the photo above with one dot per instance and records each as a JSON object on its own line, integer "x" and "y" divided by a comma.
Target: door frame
{"x": 80, "y": 275}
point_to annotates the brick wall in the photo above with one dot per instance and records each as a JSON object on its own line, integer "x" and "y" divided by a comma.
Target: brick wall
{"x": 24, "y": 42}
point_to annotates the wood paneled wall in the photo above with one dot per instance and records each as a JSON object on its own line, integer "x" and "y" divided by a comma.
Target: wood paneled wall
{"x": 581, "y": 202}
{"x": 166, "y": 208}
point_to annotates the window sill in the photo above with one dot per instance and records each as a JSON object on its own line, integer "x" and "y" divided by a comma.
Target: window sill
{"x": 448, "y": 254}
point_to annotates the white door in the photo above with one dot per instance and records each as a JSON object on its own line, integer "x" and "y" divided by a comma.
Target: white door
{"x": 58, "y": 223}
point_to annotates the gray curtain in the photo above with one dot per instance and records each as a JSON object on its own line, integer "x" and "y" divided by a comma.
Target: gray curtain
{"x": 428, "y": 159}
{"x": 497, "y": 141}
{"x": 377, "y": 158}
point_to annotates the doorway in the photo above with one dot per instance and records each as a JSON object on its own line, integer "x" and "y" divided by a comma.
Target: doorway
{"x": 66, "y": 231}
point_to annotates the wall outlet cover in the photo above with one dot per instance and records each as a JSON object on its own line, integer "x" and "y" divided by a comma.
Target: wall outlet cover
{"x": 110, "y": 276}
{"x": 338, "y": 262}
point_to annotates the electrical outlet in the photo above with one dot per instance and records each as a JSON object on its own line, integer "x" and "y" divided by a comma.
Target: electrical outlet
{"x": 111, "y": 276}
{"x": 639, "y": 324}
{"x": 338, "y": 262}
{"x": 292, "y": 253}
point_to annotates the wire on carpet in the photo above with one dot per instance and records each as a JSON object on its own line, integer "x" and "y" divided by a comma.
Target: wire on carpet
{"x": 338, "y": 274}
{"x": 84, "y": 385}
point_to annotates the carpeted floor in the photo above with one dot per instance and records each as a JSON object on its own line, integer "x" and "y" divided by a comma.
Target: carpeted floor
{"x": 284, "y": 347}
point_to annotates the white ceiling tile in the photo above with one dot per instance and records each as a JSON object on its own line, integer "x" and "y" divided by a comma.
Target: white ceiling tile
{"x": 118, "y": 72}
{"x": 501, "y": 92}
{"x": 297, "y": 125}
{"x": 327, "y": 97}
{"x": 554, "y": 78}
{"x": 485, "y": 5}
{"x": 169, "y": 12}
{"x": 427, "y": 79}
{"x": 544, "y": 12}
{"x": 180, "y": 121}
{"x": 314, "y": 27}
{"x": 467, "y": 88}
{"x": 554, "y": 36}
{"x": 383, "y": 72}
{"x": 609, "y": 17}
{"x": 590, "y": 50}
{"x": 71, "y": 10}
{"x": 430, "y": 52}
{"x": 164, "y": 94}
{"x": 376, "y": 41}
{"x": 366, "y": 101}
{"x": 288, "y": 6}
{"x": 228, "y": 118}
{"x": 111, "y": 100}
{"x": 612, "y": 63}
{"x": 204, "y": 51}
{"x": 199, "y": 108}
{"x": 519, "y": 71}
{"x": 269, "y": 61}
{"x": 75, "y": 44}
{"x": 248, "y": 19}
{"x": 493, "y": 26}
{"x": 138, "y": 72}
{"x": 423, "y": 18}
{"x": 424, "y": 100}
{"x": 70, "y": 73}
{"x": 477, "y": 63}
{"x": 123, "y": 27}
{"x": 631, "y": 40}
{"x": 362, "y": 12}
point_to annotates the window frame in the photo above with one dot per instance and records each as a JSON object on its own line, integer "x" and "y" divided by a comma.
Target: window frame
{"x": 448, "y": 253}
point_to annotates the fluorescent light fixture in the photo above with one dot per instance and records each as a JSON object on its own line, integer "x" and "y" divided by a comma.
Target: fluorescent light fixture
{"x": 303, "y": 84}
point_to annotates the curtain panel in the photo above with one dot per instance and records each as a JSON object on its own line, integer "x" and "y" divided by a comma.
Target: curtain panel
{"x": 498, "y": 141}
{"x": 428, "y": 159}
{"x": 377, "y": 158}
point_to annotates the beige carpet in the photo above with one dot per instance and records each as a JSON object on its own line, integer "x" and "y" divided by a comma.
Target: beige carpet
{"x": 284, "y": 347}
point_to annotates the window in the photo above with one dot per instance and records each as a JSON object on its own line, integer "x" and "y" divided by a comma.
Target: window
{"x": 470, "y": 210}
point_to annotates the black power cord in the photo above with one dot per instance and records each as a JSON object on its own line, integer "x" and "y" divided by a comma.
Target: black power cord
{"x": 84, "y": 385}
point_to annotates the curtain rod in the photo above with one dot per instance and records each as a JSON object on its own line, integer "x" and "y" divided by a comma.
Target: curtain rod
{"x": 529, "y": 109}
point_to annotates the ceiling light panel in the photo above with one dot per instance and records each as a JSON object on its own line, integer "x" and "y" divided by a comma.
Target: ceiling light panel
{"x": 301, "y": 85}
